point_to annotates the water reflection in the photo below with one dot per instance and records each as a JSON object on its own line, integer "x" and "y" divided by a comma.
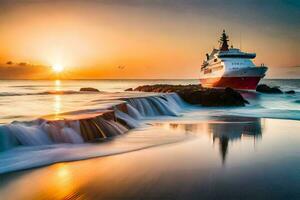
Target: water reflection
{"x": 229, "y": 131}
{"x": 63, "y": 180}
{"x": 185, "y": 170}
{"x": 57, "y": 99}
{"x": 57, "y": 84}
{"x": 223, "y": 130}
{"x": 57, "y": 105}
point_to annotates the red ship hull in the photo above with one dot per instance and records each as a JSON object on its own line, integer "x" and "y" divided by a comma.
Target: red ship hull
{"x": 241, "y": 83}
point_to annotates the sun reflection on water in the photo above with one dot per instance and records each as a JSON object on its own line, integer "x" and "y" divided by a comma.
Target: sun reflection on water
{"x": 63, "y": 180}
{"x": 57, "y": 84}
{"x": 57, "y": 99}
{"x": 57, "y": 104}
{"x": 63, "y": 172}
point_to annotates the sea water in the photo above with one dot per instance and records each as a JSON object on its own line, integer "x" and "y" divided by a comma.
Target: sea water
{"x": 29, "y": 100}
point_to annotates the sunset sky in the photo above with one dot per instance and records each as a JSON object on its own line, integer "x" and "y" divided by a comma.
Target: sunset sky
{"x": 143, "y": 38}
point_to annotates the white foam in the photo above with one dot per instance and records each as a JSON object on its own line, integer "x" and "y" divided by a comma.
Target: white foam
{"x": 35, "y": 156}
{"x": 29, "y": 135}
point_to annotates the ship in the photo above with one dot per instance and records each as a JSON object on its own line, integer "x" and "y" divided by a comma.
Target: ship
{"x": 230, "y": 67}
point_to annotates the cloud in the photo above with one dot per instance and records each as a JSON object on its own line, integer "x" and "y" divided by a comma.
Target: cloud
{"x": 17, "y": 71}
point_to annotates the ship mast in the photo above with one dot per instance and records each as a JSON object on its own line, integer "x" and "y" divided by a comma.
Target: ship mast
{"x": 224, "y": 42}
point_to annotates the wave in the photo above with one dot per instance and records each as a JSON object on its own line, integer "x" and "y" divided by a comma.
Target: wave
{"x": 42, "y": 132}
{"x": 50, "y": 92}
{"x": 45, "y": 141}
{"x": 79, "y": 126}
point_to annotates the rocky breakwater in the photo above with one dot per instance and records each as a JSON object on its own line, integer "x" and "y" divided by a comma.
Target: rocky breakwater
{"x": 263, "y": 88}
{"x": 197, "y": 95}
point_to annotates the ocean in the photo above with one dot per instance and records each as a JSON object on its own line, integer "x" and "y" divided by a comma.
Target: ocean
{"x": 175, "y": 149}
{"x": 22, "y": 100}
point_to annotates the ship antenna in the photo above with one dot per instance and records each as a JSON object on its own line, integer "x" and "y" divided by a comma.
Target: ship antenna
{"x": 224, "y": 42}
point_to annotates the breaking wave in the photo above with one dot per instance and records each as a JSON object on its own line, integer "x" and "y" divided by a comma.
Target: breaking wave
{"x": 40, "y": 142}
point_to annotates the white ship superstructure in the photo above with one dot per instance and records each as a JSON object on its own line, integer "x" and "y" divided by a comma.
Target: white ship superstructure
{"x": 230, "y": 67}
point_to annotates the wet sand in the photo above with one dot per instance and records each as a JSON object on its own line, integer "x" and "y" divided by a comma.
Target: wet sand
{"x": 227, "y": 159}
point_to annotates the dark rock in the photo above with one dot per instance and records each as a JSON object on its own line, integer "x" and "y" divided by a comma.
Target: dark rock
{"x": 213, "y": 97}
{"x": 167, "y": 88}
{"x": 195, "y": 94}
{"x": 290, "y": 92}
{"x": 89, "y": 89}
{"x": 263, "y": 88}
{"x": 129, "y": 89}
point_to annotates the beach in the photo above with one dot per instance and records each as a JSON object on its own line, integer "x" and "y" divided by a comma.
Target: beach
{"x": 261, "y": 160}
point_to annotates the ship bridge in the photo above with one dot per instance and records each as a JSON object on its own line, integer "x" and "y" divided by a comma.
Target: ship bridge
{"x": 236, "y": 53}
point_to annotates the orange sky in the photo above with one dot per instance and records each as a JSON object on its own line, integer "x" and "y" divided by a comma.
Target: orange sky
{"x": 169, "y": 40}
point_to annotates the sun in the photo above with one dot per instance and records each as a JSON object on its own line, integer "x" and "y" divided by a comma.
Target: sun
{"x": 57, "y": 68}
